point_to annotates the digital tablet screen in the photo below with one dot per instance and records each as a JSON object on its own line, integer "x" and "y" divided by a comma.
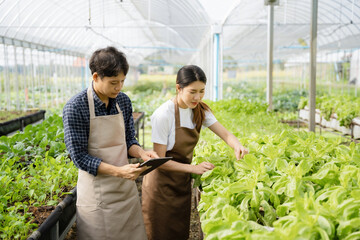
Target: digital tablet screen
{"x": 154, "y": 163}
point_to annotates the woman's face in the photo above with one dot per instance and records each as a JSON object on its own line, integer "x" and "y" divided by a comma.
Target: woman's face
{"x": 191, "y": 95}
{"x": 108, "y": 87}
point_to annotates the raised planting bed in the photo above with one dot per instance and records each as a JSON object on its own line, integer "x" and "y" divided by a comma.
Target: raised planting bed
{"x": 333, "y": 123}
{"x": 304, "y": 114}
{"x": 60, "y": 221}
{"x": 356, "y": 128}
{"x": 35, "y": 176}
{"x": 8, "y": 126}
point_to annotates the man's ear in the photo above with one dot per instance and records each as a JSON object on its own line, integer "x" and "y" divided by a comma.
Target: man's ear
{"x": 95, "y": 76}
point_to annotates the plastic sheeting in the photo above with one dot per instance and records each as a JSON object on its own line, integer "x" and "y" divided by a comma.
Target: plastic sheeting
{"x": 174, "y": 30}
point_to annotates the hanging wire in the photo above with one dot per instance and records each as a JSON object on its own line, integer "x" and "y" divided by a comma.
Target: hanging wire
{"x": 352, "y": 12}
{"x": 103, "y": 9}
{"x": 101, "y": 35}
{"x": 336, "y": 29}
{"x": 285, "y": 11}
{"x": 89, "y": 12}
{"x": 341, "y": 9}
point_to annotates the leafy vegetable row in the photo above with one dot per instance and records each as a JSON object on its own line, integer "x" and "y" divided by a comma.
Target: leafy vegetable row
{"x": 292, "y": 185}
{"x": 35, "y": 170}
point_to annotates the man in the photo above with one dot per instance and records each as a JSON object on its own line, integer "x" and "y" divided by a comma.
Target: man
{"x": 99, "y": 135}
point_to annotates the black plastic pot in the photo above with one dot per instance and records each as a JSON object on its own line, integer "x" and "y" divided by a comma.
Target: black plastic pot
{"x": 20, "y": 123}
{"x": 58, "y": 224}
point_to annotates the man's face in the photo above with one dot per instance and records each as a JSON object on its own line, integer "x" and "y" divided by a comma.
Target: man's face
{"x": 108, "y": 87}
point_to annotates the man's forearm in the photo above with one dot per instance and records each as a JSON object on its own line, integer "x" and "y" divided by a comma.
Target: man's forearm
{"x": 108, "y": 169}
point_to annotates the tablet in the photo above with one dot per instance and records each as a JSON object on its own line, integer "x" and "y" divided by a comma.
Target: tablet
{"x": 154, "y": 163}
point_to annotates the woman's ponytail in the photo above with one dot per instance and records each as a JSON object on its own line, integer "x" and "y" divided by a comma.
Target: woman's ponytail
{"x": 199, "y": 114}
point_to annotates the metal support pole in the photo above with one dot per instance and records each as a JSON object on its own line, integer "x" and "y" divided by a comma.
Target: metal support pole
{"x": 221, "y": 68}
{"x": 82, "y": 68}
{"x": 312, "y": 86}
{"x": 52, "y": 83}
{"x": 7, "y": 78}
{"x": 87, "y": 73}
{"x": 63, "y": 78}
{"x": 45, "y": 74}
{"x": 66, "y": 78}
{"x": 69, "y": 75}
{"x": 16, "y": 76}
{"x": 26, "y": 97}
{"x": 39, "y": 80}
{"x": 32, "y": 78}
{"x": 270, "y": 46}
{"x": 216, "y": 67}
{"x": 217, "y": 63}
{"x": 55, "y": 75}
{"x": 2, "y": 92}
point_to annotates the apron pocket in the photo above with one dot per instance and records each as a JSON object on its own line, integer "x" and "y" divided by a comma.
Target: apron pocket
{"x": 113, "y": 189}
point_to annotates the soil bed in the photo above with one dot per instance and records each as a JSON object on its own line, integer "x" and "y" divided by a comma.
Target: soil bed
{"x": 42, "y": 212}
{"x": 9, "y": 115}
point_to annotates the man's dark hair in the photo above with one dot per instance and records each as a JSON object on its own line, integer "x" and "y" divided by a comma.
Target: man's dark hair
{"x": 108, "y": 62}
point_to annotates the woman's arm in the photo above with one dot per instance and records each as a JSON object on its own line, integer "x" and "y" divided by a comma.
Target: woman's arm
{"x": 138, "y": 152}
{"x": 174, "y": 166}
{"x": 230, "y": 139}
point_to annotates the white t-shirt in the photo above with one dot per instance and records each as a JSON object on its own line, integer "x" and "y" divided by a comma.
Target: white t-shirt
{"x": 163, "y": 123}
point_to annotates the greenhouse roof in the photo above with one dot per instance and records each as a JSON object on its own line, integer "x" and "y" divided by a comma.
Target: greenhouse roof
{"x": 173, "y": 30}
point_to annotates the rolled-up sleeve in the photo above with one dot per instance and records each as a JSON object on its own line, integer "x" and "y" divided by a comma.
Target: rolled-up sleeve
{"x": 76, "y": 139}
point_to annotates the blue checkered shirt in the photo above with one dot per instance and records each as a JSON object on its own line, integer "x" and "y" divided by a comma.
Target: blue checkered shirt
{"x": 76, "y": 119}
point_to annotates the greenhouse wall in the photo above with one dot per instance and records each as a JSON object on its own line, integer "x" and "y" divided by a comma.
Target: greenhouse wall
{"x": 34, "y": 76}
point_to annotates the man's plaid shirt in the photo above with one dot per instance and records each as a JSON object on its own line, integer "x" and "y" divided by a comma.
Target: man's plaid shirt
{"x": 76, "y": 119}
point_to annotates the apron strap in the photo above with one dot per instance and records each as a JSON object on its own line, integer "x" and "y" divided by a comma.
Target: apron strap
{"x": 91, "y": 101}
{"x": 177, "y": 114}
{"x": 118, "y": 108}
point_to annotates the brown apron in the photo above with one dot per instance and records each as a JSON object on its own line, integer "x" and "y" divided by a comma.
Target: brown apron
{"x": 107, "y": 207}
{"x": 166, "y": 196}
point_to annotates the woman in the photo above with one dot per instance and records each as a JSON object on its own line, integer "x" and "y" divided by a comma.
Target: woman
{"x": 176, "y": 124}
{"x": 99, "y": 135}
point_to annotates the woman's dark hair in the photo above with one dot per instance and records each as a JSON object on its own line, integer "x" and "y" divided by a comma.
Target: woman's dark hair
{"x": 108, "y": 62}
{"x": 187, "y": 75}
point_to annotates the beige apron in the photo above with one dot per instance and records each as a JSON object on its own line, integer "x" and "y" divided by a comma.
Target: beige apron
{"x": 107, "y": 207}
{"x": 166, "y": 196}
